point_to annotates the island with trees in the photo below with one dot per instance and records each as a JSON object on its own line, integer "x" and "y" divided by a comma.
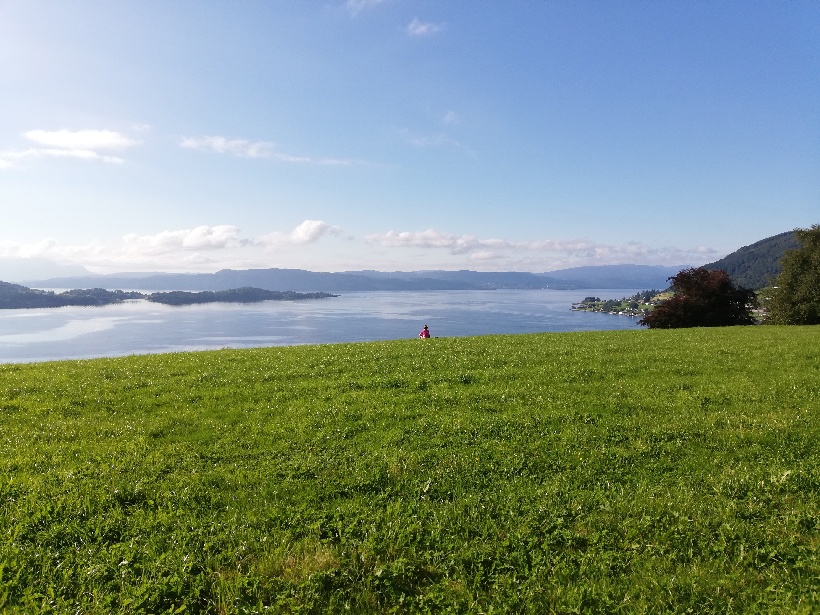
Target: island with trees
{"x": 17, "y": 296}
{"x": 236, "y": 295}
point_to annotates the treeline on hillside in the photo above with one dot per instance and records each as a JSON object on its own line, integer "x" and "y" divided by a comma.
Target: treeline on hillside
{"x": 757, "y": 265}
{"x": 16, "y": 296}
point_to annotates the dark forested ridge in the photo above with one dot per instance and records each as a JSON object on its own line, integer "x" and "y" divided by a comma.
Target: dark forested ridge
{"x": 755, "y": 266}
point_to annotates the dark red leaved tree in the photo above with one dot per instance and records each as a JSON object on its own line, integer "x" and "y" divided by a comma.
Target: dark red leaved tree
{"x": 703, "y": 298}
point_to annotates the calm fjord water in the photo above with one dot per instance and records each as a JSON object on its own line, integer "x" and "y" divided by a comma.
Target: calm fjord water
{"x": 140, "y": 327}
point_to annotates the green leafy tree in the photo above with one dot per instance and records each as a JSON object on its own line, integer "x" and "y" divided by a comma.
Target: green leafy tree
{"x": 703, "y": 298}
{"x": 796, "y": 299}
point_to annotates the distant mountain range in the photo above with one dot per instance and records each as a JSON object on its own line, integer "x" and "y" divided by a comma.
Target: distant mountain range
{"x": 753, "y": 266}
{"x": 299, "y": 280}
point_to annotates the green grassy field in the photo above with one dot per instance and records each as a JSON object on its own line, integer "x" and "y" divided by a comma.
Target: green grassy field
{"x": 603, "y": 472}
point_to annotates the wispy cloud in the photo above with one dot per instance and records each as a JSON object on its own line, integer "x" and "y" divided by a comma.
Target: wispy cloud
{"x": 81, "y": 139}
{"x": 422, "y": 28}
{"x": 331, "y": 162}
{"x": 357, "y": 6}
{"x": 235, "y": 147}
{"x": 450, "y": 118}
{"x": 432, "y": 140}
{"x": 257, "y": 149}
{"x": 566, "y": 252}
{"x": 80, "y": 144}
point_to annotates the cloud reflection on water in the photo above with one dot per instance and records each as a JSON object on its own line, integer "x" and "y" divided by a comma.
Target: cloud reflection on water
{"x": 70, "y": 330}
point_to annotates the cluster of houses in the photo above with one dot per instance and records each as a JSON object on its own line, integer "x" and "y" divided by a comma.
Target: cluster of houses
{"x": 633, "y": 306}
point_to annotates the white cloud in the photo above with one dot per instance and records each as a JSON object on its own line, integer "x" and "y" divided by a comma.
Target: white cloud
{"x": 199, "y": 238}
{"x": 80, "y": 144}
{"x": 201, "y": 248}
{"x": 421, "y": 28}
{"x": 42, "y": 152}
{"x": 484, "y": 255}
{"x": 426, "y": 239}
{"x": 236, "y": 147}
{"x": 312, "y": 230}
{"x": 309, "y": 231}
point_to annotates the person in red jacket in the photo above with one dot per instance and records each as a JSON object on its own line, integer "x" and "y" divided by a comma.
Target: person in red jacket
{"x": 425, "y": 333}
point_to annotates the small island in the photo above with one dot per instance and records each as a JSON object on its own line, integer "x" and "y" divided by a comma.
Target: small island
{"x": 236, "y": 295}
{"x": 17, "y": 296}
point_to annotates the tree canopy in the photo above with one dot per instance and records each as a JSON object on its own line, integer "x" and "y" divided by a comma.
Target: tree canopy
{"x": 796, "y": 300}
{"x": 703, "y": 298}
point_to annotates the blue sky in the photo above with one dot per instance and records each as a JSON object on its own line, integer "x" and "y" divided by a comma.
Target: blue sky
{"x": 396, "y": 135}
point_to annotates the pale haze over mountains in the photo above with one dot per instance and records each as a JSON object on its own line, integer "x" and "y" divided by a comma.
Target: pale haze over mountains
{"x": 24, "y": 269}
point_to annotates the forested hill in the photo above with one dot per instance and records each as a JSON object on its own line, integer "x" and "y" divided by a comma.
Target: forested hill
{"x": 756, "y": 265}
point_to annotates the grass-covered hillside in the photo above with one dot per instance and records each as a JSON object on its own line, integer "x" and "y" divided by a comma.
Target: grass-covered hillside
{"x": 606, "y": 472}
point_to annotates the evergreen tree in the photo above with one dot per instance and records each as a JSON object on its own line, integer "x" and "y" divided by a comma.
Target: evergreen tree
{"x": 796, "y": 300}
{"x": 703, "y": 298}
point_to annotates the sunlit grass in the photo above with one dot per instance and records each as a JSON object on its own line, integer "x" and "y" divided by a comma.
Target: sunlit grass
{"x": 640, "y": 471}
